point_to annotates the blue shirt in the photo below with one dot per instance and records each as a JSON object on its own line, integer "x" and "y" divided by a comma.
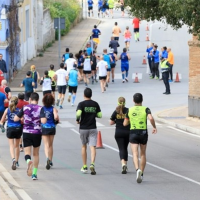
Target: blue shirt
{"x": 11, "y": 116}
{"x": 73, "y": 78}
{"x": 106, "y": 57}
{"x": 47, "y": 112}
{"x": 89, "y": 51}
{"x": 65, "y": 56}
{"x": 113, "y": 57}
{"x": 80, "y": 61}
{"x": 148, "y": 51}
{"x": 100, "y": 3}
{"x": 27, "y": 82}
{"x": 165, "y": 54}
{"x": 155, "y": 56}
{"x": 124, "y": 60}
{"x": 95, "y": 32}
{"x": 90, "y": 3}
{"x": 2, "y": 98}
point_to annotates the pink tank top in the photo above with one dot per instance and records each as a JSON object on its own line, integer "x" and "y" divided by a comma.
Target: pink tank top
{"x": 127, "y": 34}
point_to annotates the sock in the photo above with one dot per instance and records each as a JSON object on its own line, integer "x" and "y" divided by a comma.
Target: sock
{"x": 136, "y": 170}
{"x": 84, "y": 166}
{"x": 126, "y": 74}
{"x": 27, "y": 161}
{"x": 73, "y": 98}
{"x": 13, "y": 159}
{"x": 35, "y": 171}
{"x": 135, "y": 36}
{"x": 138, "y": 35}
{"x": 123, "y": 77}
{"x": 70, "y": 94}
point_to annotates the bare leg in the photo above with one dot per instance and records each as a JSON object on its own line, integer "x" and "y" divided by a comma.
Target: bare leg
{"x": 36, "y": 157}
{"x": 113, "y": 73}
{"x": 102, "y": 85}
{"x": 134, "y": 148}
{"x": 84, "y": 154}
{"x": 143, "y": 157}
{"x": 12, "y": 151}
{"x": 17, "y": 150}
{"x": 93, "y": 154}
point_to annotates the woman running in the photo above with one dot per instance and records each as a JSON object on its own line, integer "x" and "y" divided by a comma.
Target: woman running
{"x": 127, "y": 38}
{"x": 80, "y": 57}
{"x": 121, "y": 132}
{"x": 14, "y": 131}
{"x": 113, "y": 63}
{"x": 94, "y": 67}
{"x": 49, "y": 119}
{"x": 87, "y": 70}
{"x": 46, "y": 83}
{"x": 35, "y": 76}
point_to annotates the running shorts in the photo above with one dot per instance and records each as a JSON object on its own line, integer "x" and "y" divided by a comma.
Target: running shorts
{"x": 72, "y": 89}
{"x": 112, "y": 65}
{"x": 87, "y": 72}
{"x": 93, "y": 67}
{"x": 127, "y": 39}
{"x": 46, "y": 92}
{"x": 14, "y": 132}
{"x": 138, "y": 138}
{"x": 102, "y": 77}
{"x": 90, "y": 8}
{"x": 88, "y": 137}
{"x": 80, "y": 67}
{"x": 27, "y": 96}
{"x": 109, "y": 69}
{"x": 96, "y": 40}
{"x": 30, "y": 139}
{"x": 53, "y": 88}
{"x": 124, "y": 68}
{"x": 136, "y": 30}
{"x": 122, "y": 8}
{"x": 62, "y": 89}
{"x": 116, "y": 38}
{"x": 48, "y": 131}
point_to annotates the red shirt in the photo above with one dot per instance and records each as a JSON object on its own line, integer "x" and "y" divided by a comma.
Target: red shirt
{"x": 21, "y": 103}
{"x": 136, "y": 22}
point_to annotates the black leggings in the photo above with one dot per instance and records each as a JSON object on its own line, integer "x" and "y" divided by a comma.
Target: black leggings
{"x": 122, "y": 139}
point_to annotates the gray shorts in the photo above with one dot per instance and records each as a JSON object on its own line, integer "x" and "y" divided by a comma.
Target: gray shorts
{"x": 88, "y": 137}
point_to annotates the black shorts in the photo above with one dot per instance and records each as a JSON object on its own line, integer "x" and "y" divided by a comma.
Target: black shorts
{"x": 94, "y": 67}
{"x": 30, "y": 139}
{"x": 72, "y": 89}
{"x": 136, "y": 30}
{"x": 46, "y": 92}
{"x": 116, "y": 38}
{"x": 53, "y": 88}
{"x": 27, "y": 96}
{"x": 87, "y": 72}
{"x": 80, "y": 67}
{"x": 138, "y": 138}
{"x": 62, "y": 89}
{"x": 14, "y": 132}
{"x": 112, "y": 65}
{"x": 48, "y": 131}
{"x": 102, "y": 77}
{"x": 90, "y": 7}
{"x": 122, "y": 8}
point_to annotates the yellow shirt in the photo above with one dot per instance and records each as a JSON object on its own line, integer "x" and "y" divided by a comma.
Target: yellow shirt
{"x": 116, "y": 31}
{"x": 170, "y": 58}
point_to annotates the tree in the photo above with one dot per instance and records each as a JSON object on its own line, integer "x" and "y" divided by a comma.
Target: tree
{"x": 176, "y": 12}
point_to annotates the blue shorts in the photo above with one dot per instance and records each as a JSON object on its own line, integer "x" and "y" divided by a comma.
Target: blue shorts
{"x": 124, "y": 68}
{"x": 109, "y": 69}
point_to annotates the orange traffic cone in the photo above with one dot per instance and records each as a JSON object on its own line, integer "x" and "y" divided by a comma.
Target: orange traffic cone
{"x": 147, "y": 37}
{"x": 144, "y": 62}
{"x": 99, "y": 141}
{"x": 177, "y": 78}
{"x": 136, "y": 78}
{"x": 147, "y": 28}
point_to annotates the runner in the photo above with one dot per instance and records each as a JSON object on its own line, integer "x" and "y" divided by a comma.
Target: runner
{"x": 90, "y": 7}
{"x": 80, "y": 58}
{"x": 113, "y": 63}
{"x": 102, "y": 67}
{"x": 114, "y": 44}
{"x": 111, "y": 6}
{"x": 88, "y": 49}
{"x": 87, "y": 70}
{"x": 61, "y": 78}
{"x": 105, "y": 8}
{"x": 136, "y": 28}
{"x": 127, "y": 38}
{"x": 53, "y": 82}
{"x": 94, "y": 67}
{"x": 73, "y": 78}
{"x": 116, "y": 31}
{"x": 31, "y": 133}
{"x": 87, "y": 111}
{"x": 35, "y": 76}
{"x": 108, "y": 59}
{"x": 121, "y": 132}
{"x": 46, "y": 83}
{"x": 69, "y": 63}
{"x": 122, "y": 7}
{"x": 100, "y": 6}
{"x": 49, "y": 118}
{"x": 66, "y": 55}
{"x": 14, "y": 131}
{"x": 137, "y": 118}
{"x": 95, "y": 36}
{"x": 125, "y": 57}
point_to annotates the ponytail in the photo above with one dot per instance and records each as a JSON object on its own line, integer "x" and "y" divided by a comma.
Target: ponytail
{"x": 121, "y": 104}
{"x": 13, "y": 104}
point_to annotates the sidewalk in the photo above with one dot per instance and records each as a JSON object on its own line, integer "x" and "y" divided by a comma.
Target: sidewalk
{"x": 74, "y": 40}
{"x": 178, "y": 118}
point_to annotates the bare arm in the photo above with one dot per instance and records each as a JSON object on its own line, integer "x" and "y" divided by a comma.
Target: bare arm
{"x": 3, "y": 119}
{"x": 128, "y": 57}
{"x": 126, "y": 122}
{"x": 151, "y": 119}
{"x": 43, "y": 120}
{"x": 33, "y": 84}
{"x": 9, "y": 95}
{"x": 112, "y": 122}
{"x": 21, "y": 85}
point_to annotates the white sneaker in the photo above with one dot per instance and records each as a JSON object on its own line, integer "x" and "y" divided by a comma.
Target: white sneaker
{"x": 139, "y": 176}
{"x": 72, "y": 104}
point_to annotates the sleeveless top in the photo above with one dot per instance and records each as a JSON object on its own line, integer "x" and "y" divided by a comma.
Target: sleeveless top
{"x": 106, "y": 58}
{"x": 10, "y": 116}
{"x": 48, "y": 111}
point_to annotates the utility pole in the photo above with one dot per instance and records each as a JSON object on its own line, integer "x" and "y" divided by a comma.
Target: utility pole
{"x": 59, "y": 46}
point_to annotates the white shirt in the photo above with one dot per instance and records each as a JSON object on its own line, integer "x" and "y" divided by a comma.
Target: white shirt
{"x": 70, "y": 62}
{"x": 102, "y": 68}
{"x": 46, "y": 84}
{"x": 87, "y": 64}
{"x": 61, "y": 77}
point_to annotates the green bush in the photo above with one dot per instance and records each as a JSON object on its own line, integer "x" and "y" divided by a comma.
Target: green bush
{"x": 69, "y": 10}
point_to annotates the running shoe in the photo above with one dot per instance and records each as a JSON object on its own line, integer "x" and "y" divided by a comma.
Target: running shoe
{"x": 139, "y": 176}
{"x": 113, "y": 81}
{"x": 84, "y": 170}
{"x": 29, "y": 169}
{"x": 123, "y": 81}
{"x": 157, "y": 78}
{"x": 106, "y": 84}
{"x": 170, "y": 81}
{"x": 14, "y": 165}
{"x": 126, "y": 79}
{"x": 2, "y": 128}
{"x": 151, "y": 77}
{"x": 92, "y": 82}
{"x": 72, "y": 104}
{"x": 48, "y": 164}
{"x": 124, "y": 169}
{"x": 96, "y": 81}
{"x": 86, "y": 85}
{"x": 69, "y": 98}
{"x": 17, "y": 164}
{"x": 34, "y": 177}
{"x": 138, "y": 39}
{"x": 51, "y": 164}
{"x": 58, "y": 101}
{"x": 92, "y": 169}
{"x": 61, "y": 107}
{"x": 104, "y": 89}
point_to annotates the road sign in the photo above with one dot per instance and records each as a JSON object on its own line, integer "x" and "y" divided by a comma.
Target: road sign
{"x": 62, "y": 23}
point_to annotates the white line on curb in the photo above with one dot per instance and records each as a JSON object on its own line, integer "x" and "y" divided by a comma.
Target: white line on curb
{"x": 10, "y": 179}
{"x": 23, "y": 194}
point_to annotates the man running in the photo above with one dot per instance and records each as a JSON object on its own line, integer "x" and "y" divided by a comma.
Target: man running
{"x": 111, "y": 6}
{"x": 66, "y": 55}
{"x": 124, "y": 57}
{"x": 90, "y": 7}
{"x": 127, "y": 38}
{"x": 69, "y": 63}
{"x": 137, "y": 118}
{"x": 136, "y": 28}
{"x": 95, "y": 35}
{"x": 108, "y": 59}
{"x": 32, "y": 135}
{"x": 116, "y": 31}
{"x": 100, "y": 5}
{"x": 86, "y": 114}
{"x": 113, "y": 63}
{"x": 53, "y": 82}
{"x": 94, "y": 67}
{"x": 61, "y": 78}
{"x": 114, "y": 44}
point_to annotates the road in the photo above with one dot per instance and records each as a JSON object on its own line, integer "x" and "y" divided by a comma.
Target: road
{"x": 172, "y": 171}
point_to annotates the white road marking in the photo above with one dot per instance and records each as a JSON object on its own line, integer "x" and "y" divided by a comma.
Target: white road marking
{"x": 176, "y": 129}
{"x": 155, "y": 166}
{"x": 65, "y": 124}
{"x": 10, "y": 179}
{"x": 23, "y": 194}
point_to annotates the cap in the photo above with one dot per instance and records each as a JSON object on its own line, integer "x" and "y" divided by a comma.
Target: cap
{"x": 111, "y": 50}
{"x": 28, "y": 73}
